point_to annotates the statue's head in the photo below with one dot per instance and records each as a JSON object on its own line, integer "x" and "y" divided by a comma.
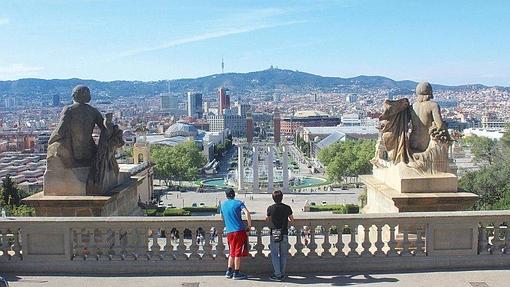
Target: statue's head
{"x": 424, "y": 91}
{"x": 81, "y": 94}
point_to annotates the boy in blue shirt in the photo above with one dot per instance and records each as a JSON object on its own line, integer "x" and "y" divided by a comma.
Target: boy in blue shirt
{"x": 237, "y": 236}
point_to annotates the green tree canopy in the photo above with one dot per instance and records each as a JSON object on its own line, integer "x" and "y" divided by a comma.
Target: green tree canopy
{"x": 347, "y": 158}
{"x": 484, "y": 149}
{"x": 491, "y": 182}
{"x": 11, "y": 195}
{"x": 181, "y": 162}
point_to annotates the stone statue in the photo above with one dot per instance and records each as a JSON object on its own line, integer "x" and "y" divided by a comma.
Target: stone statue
{"x": 71, "y": 142}
{"x": 105, "y": 170}
{"x": 415, "y": 136}
{"x": 75, "y": 164}
{"x": 425, "y": 115}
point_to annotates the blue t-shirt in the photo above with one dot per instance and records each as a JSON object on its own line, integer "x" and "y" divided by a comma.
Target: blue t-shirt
{"x": 231, "y": 211}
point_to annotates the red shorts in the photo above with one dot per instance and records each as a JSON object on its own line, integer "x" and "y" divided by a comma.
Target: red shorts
{"x": 238, "y": 243}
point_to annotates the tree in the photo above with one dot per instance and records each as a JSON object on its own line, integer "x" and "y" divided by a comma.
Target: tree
{"x": 490, "y": 183}
{"x": 180, "y": 162}
{"x": 484, "y": 149}
{"x": 11, "y": 195}
{"x": 347, "y": 158}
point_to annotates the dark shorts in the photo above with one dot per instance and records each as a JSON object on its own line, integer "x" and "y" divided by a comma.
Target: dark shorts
{"x": 238, "y": 243}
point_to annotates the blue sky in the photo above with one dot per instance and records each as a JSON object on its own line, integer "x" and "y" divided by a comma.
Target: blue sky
{"x": 448, "y": 42}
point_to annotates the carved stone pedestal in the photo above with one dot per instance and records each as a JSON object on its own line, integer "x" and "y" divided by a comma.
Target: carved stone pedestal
{"x": 401, "y": 189}
{"x": 123, "y": 200}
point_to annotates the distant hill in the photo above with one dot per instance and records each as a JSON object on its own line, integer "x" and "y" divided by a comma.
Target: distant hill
{"x": 265, "y": 81}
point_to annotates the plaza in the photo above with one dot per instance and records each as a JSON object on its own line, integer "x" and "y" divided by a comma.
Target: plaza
{"x": 257, "y": 203}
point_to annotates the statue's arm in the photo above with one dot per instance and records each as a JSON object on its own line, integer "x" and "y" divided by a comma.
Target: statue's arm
{"x": 99, "y": 120}
{"x": 436, "y": 115}
{"x": 62, "y": 127}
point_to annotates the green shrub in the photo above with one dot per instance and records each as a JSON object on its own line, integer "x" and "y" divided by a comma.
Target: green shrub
{"x": 202, "y": 209}
{"x": 352, "y": 208}
{"x": 171, "y": 211}
{"x": 328, "y": 207}
{"x": 151, "y": 212}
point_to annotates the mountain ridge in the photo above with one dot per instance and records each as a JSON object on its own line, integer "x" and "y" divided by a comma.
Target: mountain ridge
{"x": 269, "y": 81}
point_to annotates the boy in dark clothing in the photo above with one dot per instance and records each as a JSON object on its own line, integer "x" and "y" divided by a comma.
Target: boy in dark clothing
{"x": 279, "y": 215}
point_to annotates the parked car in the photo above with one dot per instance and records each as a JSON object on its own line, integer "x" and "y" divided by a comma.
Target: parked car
{"x": 194, "y": 204}
{"x": 312, "y": 203}
{"x": 324, "y": 203}
{"x": 202, "y": 204}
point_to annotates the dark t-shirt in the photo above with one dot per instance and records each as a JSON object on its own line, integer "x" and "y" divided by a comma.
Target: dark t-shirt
{"x": 279, "y": 213}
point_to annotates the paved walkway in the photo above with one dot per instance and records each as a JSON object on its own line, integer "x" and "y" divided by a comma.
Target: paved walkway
{"x": 480, "y": 278}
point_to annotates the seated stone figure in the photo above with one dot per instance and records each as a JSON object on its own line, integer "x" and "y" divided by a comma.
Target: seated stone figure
{"x": 425, "y": 147}
{"x": 105, "y": 170}
{"x": 72, "y": 150}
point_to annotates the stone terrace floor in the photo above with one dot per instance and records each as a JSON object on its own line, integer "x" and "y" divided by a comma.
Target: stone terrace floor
{"x": 473, "y": 278}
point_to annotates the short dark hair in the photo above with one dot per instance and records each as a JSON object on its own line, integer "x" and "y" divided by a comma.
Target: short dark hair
{"x": 277, "y": 196}
{"x": 230, "y": 193}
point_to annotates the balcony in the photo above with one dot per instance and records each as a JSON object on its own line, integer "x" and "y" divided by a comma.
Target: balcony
{"x": 329, "y": 243}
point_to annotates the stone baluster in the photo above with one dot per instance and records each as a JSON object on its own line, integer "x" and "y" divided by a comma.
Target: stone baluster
{"x": 86, "y": 244}
{"x": 312, "y": 245}
{"x": 483, "y": 244}
{"x": 405, "y": 242}
{"x": 506, "y": 248}
{"x": 207, "y": 246}
{"x": 194, "y": 245}
{"x": 366, "y": 241}
{"x": 141, "y": 244}
{"x": 168, "y": 249}
{"x": 326, "y": 245}
{"x": 117, "y": 250}
{"x": 93, "y": 244}
{"x": 155, "y": 248}
{"x": 496, "y": 242}
{"x": 220, "y": 247}
{"x": 181, "y": 247}
{"x": 379, "y": 243}
{"x": 79, "y": 246}
{"x": 299, "y": 242}
{"x": 340, "y": 241}
{"x": 5, "y": 245}
{"x": 419, "y": 243}
{"x": 131, "y": 244}
{"x": 17, "y": 246}
{"x": 392, "y": 242}
{"x": 259, "y": 246}
{"x": 353, "y": 244}
{"x": 101, "y": 244}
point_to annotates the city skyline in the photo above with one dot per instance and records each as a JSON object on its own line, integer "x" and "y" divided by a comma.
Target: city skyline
{"x": 450, "y": 43}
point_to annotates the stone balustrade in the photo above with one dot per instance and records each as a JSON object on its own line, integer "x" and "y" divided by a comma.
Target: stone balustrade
{"x": 335, "y": 243}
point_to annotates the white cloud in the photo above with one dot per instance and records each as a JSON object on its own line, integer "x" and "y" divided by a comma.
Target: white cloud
{"x": 204, "y": 36}
{"x": 17, "y": 71}
{"x": 4, "y": 21}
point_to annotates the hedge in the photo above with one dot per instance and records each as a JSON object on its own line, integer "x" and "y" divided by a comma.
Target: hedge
{"x": 336, "y": 208}
{"x": 328, "y": 207}
{"x": 348, "y": 209}
{"x": 171, "y": 211}
{"x": 202, "y": 209}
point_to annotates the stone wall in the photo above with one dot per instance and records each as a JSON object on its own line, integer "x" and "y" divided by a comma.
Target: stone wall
{"x": 149, "y": 245}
